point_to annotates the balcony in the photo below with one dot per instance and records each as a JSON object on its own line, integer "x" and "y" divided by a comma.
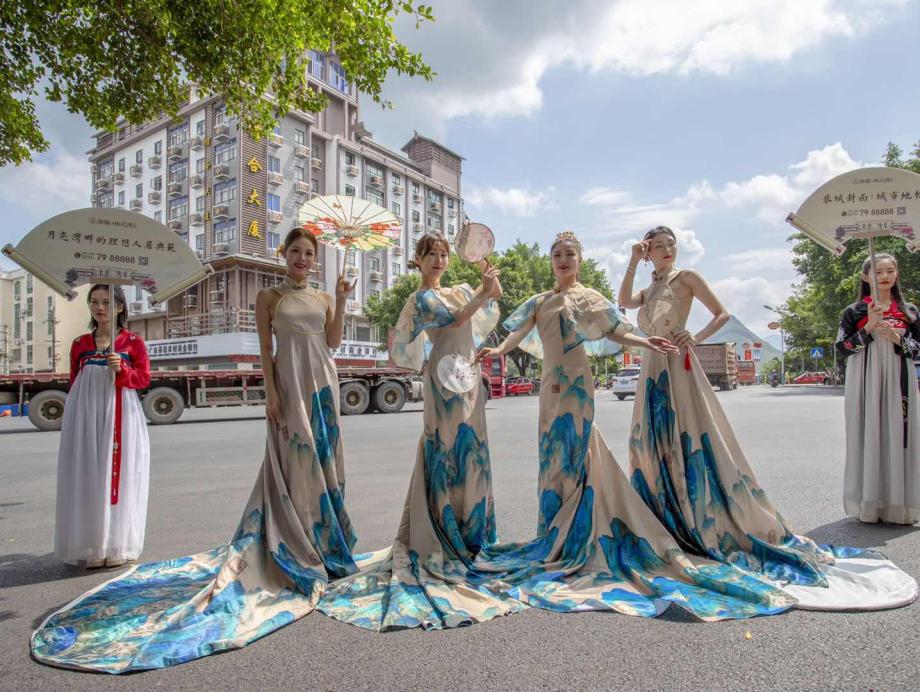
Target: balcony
{"x": 136, "y": 171}
{"x": 434, "y": 206}
{"x": 196, "y": 219}
{"x": 153, "y": 197}
{"x": 275, "y": 178}
{"x": 136, "y": 204}
{"x": 417, "y": 227}
{"x": 154, "y": 161}
{"x": 399, "y": 189}
{"x": 221, "y": 171}
{"x": 215, "y": 322}
{"x": 416, "y": 197}
{"x": 397, "y": 250}
{"x": 104, "y": 184}
{"x": 195, "y": 181}
{"x": 174, "y": 189}
{"x": 275, "y": 140}
{"x": 302, "y": 151}
{"x": 177, "y": 152}
{"x": 275, "y": 216}
{"x": 135, "y": 308}
{"x": 376, "y": 276}
{"x": 375, "y": 180}
{"x": 352, "y": 306}
{"x": 221, "y": 132}
{"x": 174, "y": 225}
{"x": 220, "y": 249}
{"x": 190, "y": 301}
{"x": 351, "y": 270}
{"x": 302, "y": 187}
{"x": 221, "y": 212}
{"x": 118, "y": 178}
{"x": 196, "y": 143}
{"x": 351, "y": 170}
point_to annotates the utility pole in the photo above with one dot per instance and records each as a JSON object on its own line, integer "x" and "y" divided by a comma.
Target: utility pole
{"x": 53, "y": 322}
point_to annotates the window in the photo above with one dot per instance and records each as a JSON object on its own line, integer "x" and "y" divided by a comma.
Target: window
{"x": 139, "y": 156}
{"x": 178, "y": 207}
{"x": 396, "y": 270}
{"x": 277, "y": 129}
{"x": 273, "y": 202}
{"x": 314, "y": 185}
{"x": 373, "y": 264}
{"x": 50, "y": 304}
{"x": 199, "y": 241}
{"x": 28, "y": 331}
{"x": 158, "y": 147}
{"x": 416, "y": 217}
{"x": 17, "y": 289}
{"x": 158, "y": 216}
{"x": 50, "y": 353}
{"x": 225, "y": 231}
{"x": 199, "y": 166}
{"x": 349, "y": 158}
{"x": 121, "y": 165}
{"x": 350, "y": 190}
{"x": 374, "y": 169}
{"x": 397, "y": 179}
{"x": 376, "y": 196}
{"x": 339, "y": 80}
{"x": 105, "y": 169}
{"x": 139, "y": 190}
{"x": 30, "y": 284}
{"x": 121, "y": 198}
{"x": 199, "y": 203}
{"x": 199, "y": 128}
{"x": 28, "y": 307}
{"x": 274, "y": 240}
{"x": 274, "y": 164}
{"x": 178, "y": 171}
{"x": 300, "y": 137}
{"x": 450, "y": 228}
{"x": 314, "y": 151}
{"x": 397, "y": 209}
{"x": 415, "y": 188}
{"x": 450, "y": 202}
{"x": 433, "y": 196}
{"x": 28, "y": 355}
{"x": 226, "y": 152}
{"x": 224, "y": 192}
{"x": 178, "y": 136}
{"x": 299, "y": 174}
{"x": 106, "y": 201}
{"x": 350, "y": 258}
{"x": 434, "y": 222}
{"x": 317, "y": 63}
{"x": 17, "y": 322}
{"x": 138, "y": 294}
{"x": 220, "y": 115}
{"x": 156, "y": 183}
{"x": 362, "y": 333}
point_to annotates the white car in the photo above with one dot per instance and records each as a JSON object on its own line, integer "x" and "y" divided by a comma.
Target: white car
{"x": 625, "y": 382}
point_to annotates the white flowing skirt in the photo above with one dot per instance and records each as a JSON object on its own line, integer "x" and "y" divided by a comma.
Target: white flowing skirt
{"x": 87, "y": 525}
{"x": 882, "y": 479}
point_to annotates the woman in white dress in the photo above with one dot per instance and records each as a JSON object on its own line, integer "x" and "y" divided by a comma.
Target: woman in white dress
{"x": 880, "y": 338}
{"x": 104, "y": 458}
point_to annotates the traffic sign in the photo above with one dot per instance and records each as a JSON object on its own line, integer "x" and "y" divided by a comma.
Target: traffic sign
{"x": 817, "y": 352}
{"x": 773, "y": 325}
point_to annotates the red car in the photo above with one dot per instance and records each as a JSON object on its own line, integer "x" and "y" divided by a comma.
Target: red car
{"x": 812, "y": 378}
{"x": 516, "y": 386}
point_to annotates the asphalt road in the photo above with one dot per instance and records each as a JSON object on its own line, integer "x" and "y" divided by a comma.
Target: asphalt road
{"x": 202, "y": 471}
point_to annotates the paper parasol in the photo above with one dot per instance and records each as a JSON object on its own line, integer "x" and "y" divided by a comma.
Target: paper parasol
{"x": 350, "y": 223}
{"x": 865, "y": 203}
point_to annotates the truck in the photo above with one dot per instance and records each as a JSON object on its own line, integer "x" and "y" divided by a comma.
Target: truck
{"x": 170, "y": 392}
{"x": 747, "y": 372}
{"x": 720, "y": 364}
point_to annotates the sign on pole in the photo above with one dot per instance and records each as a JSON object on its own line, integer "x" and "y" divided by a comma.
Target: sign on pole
{"x": 817, "y": 352}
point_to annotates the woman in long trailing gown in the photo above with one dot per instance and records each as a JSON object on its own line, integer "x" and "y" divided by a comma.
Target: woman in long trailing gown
{"x": 689, "y": 468}
{"x": 598, "y": 546}
{"x": 104, "y": 458}
{"x": 879, "y": 339}
{"x": 448, "y": 515}
{"x": 294, "y": 535}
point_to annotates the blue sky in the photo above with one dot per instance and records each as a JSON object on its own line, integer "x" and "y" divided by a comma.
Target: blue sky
{"x": 610, "y": 117}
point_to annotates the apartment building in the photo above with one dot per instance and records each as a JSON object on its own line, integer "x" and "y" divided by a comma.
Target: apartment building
{"x": 233, "y": 199}
{"x": 37, "y": 326}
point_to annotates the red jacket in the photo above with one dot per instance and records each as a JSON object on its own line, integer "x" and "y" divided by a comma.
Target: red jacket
{"x": 135, "y": 364}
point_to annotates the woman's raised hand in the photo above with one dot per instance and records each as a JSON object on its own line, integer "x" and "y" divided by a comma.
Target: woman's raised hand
{"x": 487, "y": 353}
{"x": 875, "y": 317}
{"x": 639, "y": 251}
{"x": 490, "y": 282}
{"x": 343, "y": 288}
{"x": 114, "y": 361}
{"x": 661, "y": 345}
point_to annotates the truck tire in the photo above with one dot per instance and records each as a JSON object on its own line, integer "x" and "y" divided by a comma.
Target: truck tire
{"x": 354, "y": 398}
{"x": 621, "y": 396}
{"x": 390, "y": 396}
{"x": 163, "y": 405}
{"x": 46, "y": 409}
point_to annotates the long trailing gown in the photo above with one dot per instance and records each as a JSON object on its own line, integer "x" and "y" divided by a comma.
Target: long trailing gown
{"x": 104, "y": 457}
{"x": 882, "y": 479}
{"x": 598, "y": 546}
{"x": 689, "y": 468}
{"x": 294, "y": 535}
{"x": 449, "y": 515}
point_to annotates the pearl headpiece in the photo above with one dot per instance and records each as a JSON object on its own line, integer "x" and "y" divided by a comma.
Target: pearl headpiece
{"x": 567, "y": 237}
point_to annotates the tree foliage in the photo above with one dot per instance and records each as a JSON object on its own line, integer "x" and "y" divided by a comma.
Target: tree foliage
{"x": 133, "y": 58}
{"x": 812, "y": 315}
{"x": 525, "y": 271}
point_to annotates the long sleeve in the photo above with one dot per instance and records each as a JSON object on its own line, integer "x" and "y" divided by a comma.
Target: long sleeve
{"x": 850, "y": 338}
{"x": 910, "y": 341}
{"x": 74, "y": 360}
{"x": 135, "y": 374}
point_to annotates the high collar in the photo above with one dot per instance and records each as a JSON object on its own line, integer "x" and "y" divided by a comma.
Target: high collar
{"x": 667, "y": 276}
{"x": 574, "y": 286}
{"x": 294, "y": 285}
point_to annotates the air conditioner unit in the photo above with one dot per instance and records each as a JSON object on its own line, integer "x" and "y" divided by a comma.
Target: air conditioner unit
{"x": 351, "y": 170}
{"x": 416, "y": 197}
{"x": 153, "y": 197}
{"x": 398, "y": 189}
{"x": 174, "y": 225}
{"x": 275, "y": 178}
{"x": 317, "y": 163}
{"x": 221, "y": 171}
{"x": 275, "y": 217}
{"x": 352, "y": 306}
{"x": 104, "y": 184}
{"x": 136, "y": 204}
{"x": 196, "y": 143}
{"x": 302, "y": 151}
{"x": 174, "y": 189}
{"x": 136, "y": 170}
{"x": 195, "y": 181}
{"x": 275, "y": 140}
{"x": 154, "y": 162}
{"x": 302, "y": 187}
{"x": 118, "y": 178}
{"x": 397, "y": 250}
{"x": 351, "y": 271}
{"x": 135, "y": 307}
{"x": 452, "y": 213}
{"x": 434, "y": 206}
{"x": 375, "y": 180}
{"x": 196, "y": 218}
{"x": 417, "y": 227}
{"x": 376, "y": 276}
{"x": 221, "y": 132}
{"x": 221, "y": 249}
{"x": 221, "y": 211}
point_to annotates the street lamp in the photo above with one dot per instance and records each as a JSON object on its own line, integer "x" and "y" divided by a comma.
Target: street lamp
{"x": 782, "y": 345}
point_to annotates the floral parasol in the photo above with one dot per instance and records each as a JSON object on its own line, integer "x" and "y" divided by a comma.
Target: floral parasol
{"x": 350, "y": 223}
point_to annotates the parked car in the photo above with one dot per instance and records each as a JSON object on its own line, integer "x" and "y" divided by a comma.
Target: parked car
{"x": 626, "y": 382}
{"x": 813, "y": 377}
{"x": 516, "y": 386}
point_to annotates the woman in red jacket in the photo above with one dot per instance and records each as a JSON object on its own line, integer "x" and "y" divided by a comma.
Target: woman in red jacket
{"x": 104, "y": 459}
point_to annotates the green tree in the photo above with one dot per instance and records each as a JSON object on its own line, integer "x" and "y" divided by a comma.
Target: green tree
{"x": 133, "y": 58}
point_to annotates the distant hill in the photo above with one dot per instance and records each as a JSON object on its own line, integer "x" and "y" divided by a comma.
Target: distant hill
{"x": 734, "y": 330}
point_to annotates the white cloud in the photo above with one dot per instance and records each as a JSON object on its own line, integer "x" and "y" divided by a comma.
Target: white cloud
{"x": 491, "y": 57}
{"x": 47, "y": 186}
{"x": 745, "y": 299}
{"x": 774, "y": 259}
{"x": 513, "y": 201}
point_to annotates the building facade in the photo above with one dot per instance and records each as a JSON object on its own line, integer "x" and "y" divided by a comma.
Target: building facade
{"x": 37, "y": 325}
{"x": 233, "y": 199}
